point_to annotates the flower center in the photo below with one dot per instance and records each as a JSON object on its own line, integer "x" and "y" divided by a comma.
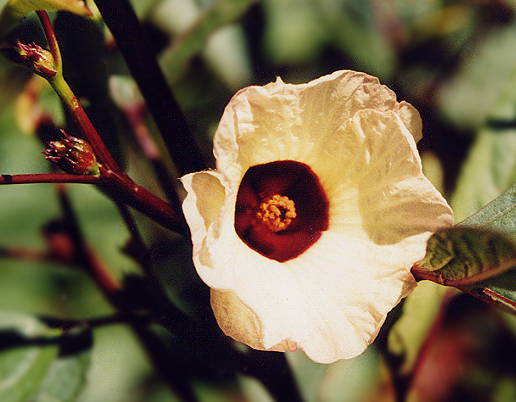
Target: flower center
{"x": 281, "y": 209}
{"x": 277, "y": 212}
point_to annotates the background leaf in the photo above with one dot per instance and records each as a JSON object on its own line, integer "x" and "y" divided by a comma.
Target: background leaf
{"x": 201, "y": 37}
{"x": 488, "y": 70}
{"x": 34, "y": 368}
{"x": 22, "y": 368}
{"x": 15, "y": 10}
{"x": 65, "y": 379}
{"x": 490, "y": 167}
{"x": 418, "y": 313}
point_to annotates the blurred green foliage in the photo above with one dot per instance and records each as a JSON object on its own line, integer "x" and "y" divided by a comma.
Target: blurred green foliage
{"x": 454, "y": 60}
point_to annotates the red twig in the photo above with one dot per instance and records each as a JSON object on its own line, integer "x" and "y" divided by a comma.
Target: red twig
{"x": 51, "y": 37}
{"x": 118, "y": 185}
{"x": 25, "y": 254}
{"x": 135, "y": 116}
{"x": 123, "y": 188}
{"x": 85, "y": 256}
{"x": 79, "y": 116}
{"x": 48, "y": 178}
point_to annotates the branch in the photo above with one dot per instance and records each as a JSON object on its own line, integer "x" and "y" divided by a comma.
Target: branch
{"x": 123, "y": 23}
{"x": 85, "y": 255}
{"x": 134, "y": 115}
{"x": 48, "y": 178}
{"x": 51, "y": 38}
{"x": 122, "y": 188}
{"x": 66, "y": 94}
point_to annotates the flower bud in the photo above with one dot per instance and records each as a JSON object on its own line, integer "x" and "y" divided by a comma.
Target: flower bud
{"x": 36, "y": 58}
{"x": 73, "y": 155}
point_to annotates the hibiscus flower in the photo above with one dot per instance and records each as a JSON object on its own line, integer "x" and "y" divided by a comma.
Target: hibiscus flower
{"x": 307, "y": 229}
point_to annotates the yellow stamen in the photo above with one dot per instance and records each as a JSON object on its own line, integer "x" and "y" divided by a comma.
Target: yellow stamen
{"x": 277, "y": 212}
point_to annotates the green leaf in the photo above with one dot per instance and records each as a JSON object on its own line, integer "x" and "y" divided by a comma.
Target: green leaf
{"x": 490, "y": 167}
{"x": 462, "y": 256}
{"x": 66, "y": 377}
{"x": 478, "y": 261}
{"x": 22, "y": 368}
{"x": 192, "y": 41}
{"x": 342, "y": 381}
{"x": 410, "y": 330}
{"x": 37, "y": 363}
{"x": 293, "y": 33}
{"x": 499, "y": 214}
{"x": 15, "y": 10}
{"x": 354, "y": 29}
{"x": 499, "y": 291}
{"x": 470, "y": 97}
{"x": 488, "y": 171}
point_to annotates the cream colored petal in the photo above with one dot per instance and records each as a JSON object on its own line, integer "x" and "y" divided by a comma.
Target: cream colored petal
{"x": 236, "y": 319}
{"x": 395, "y": 199}
{"x": 300, "y": 122}
{"x": 331, "y": 301}
{"x": 412, "y": 120}
{"x": 202, "y": 206}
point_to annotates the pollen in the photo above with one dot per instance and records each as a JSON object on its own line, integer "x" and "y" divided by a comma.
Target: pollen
{"x": 277, "y": 212}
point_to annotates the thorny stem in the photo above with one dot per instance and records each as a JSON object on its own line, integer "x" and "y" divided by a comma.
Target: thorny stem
{"x": 125, "y": 27}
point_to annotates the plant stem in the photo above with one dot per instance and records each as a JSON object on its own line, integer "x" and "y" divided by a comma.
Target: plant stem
{"x": 85, "y": 256}
{"x": 125, "y": 27}
{"x": 48, "y": 178}
{"x": 117, "y": 185}
{"x": 82, "y": 121}
{"x": 117, "y": 318}
{"x": 135, "y": 116}
{"x": 121, "y": 187}
{"x": 71, "y": 102}
{"x": 51, "y": 39}
{"x": 24, "y": 254}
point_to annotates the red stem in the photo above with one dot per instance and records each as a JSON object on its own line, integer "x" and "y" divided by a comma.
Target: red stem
{"x": 85, "y": 255}
{"x": 48, "y": 178}
{"x": 79, "y": 116}
{"x": 117, "y": 184}
{"x": 135, "y": 117}
{"x": 51, "y": 36}
{"x": 83, "y": 122}
{"x": 123, "y": 188}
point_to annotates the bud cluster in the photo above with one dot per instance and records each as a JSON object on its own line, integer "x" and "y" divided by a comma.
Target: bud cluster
{"x": 36, "y": 58}
{"x": 73, "y": 155}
